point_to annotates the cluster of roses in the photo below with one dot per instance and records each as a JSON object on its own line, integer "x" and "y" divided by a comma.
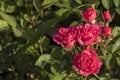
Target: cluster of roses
{"x": 86, "y": 62}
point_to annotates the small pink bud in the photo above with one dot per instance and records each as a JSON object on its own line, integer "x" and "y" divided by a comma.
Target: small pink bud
{"x": 106, "y": 16}
{"x": 107, "y": 31}
{"x": 89, "y": 14}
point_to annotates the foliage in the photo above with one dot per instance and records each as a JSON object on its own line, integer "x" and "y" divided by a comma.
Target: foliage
{"x": 27, "y": 51}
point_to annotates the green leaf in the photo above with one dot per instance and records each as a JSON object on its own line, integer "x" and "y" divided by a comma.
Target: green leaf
{"x": 116, "y": 31}
{"x": 37, "y": 5}
{"x": 93, "y": 79}
{"x": 107, "y": 61}
{"x": 47, "y": 2}
{"x": 10, "y": 9}
{"x": 45, "y": 42}
{"x": 117, "y": 3}
{"x": 3, "y": 25}
{"x": 67, "y": 4}
{"x": 79, "y": 1}
{"x": 56, "y": 53}
{"x": 117, "y": 10}
{"x": 103, "y": 78}
{"x": 93, "y": 1}
{"x": 106, "y": 3}
{"x": 0, "y": 47}
{"x": 13, "y": 23}
{"x": 19, "y": 3}
{"x": 116, "y": 46}
{"x": 59, "y": 4}
{"x": 74, "y": 23}
{"x": 43, "y": 60}
{"x": 9, "y": 19}
{"x": 47, "y": 25}
{"x": 108, "y": 76}
{"x": 63, "y": 63}
{"x": 17, "y": 32}
{"x": 61, "y": 11}
{"x": 54, "y": 71}
{"x": 2, "y": 6}
{"x": 58, "y": 77}
{"x": 118, "y": 60}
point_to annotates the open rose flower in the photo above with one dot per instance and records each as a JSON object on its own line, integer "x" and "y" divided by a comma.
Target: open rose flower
{"x": 66, "y": 37}
{"x": 106, "y": 31}
{"x": 88, "y": 34}
{"x": 106, "y": 16}
{"x": 87, "y": 62}
{"x": 89, "y": 14}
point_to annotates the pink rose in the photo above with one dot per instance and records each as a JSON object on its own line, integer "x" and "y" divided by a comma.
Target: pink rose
{"x": 106, "y": 31}
{"x": 89, "y": 14}
{"x": 87, "y": 62}
{"x": 66, "y": 37}
{"x": 88, "y": 34}
{"x": 106, "y": 16}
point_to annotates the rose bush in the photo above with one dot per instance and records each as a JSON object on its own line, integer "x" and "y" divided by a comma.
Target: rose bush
{"x": 85, "y": 47}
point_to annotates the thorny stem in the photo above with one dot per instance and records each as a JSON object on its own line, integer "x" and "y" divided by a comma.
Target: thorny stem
{"x": 96, "y": 76}
{"x": 40, "y": 46}
{"x": 86, "y": 78}
{"x": 97, "y": 45}
{"x": 74, "y": 50}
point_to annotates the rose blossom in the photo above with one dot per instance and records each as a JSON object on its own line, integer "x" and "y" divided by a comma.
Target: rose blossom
{"x": 106, "y": 16}
{"x": 88, "y": 34}
{"x": 66, "y": 37}
{"x": 106, "y": 31}
{"x": 89, "y": 14}
{"x": 87, "y": 62}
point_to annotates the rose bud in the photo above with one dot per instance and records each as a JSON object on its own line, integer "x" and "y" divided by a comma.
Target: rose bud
{"x": 106, "y": 16}
{"x": 89, "y": 14}
{"x": 106, "y": 31}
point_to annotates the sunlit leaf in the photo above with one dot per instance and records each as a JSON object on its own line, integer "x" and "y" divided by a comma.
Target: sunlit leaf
{"x": 103, "y": 78}
{"x": 116, "y": 46}
{"x": 106, "y": 3}
{"x": 19, "y": 3}
{"x": 37, "y": 5}
{"x": 3, "y": 25}
{"x": 12, "y": 22}
{"x": 67, "y": 3}
{"x": 54, "y": 71}
{"x": 43, "y": 60}
{"x": 117, "y": 10}
{"x": 107, "y": 61}
{"x": 58, "y": 77}
{"x": 10, "y": 8}
{"x": 117, "y": 3}
{"x": 79, "y": 1}
{"x": 9, "y": 19}
{"x": 116, "y": 31}
{"x": 61, "y": 11}
{"x": 48, "y": 3}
